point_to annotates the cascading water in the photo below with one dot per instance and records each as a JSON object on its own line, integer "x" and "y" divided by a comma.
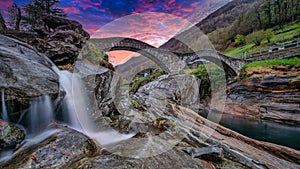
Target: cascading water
{"x": 77, "y": 109}
{"x": 40, "y": 115}
{"x": 4, "y": 114}
{"x": 68, "y": 108}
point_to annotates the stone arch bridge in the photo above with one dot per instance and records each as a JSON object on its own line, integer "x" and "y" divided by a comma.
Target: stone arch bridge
{"x": 168, "y": 61}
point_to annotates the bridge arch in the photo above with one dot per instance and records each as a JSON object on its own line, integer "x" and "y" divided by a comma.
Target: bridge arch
{"x": 167, "y": 61}
{"x": 170, "y": 62}
{"x": 232, "y": 66}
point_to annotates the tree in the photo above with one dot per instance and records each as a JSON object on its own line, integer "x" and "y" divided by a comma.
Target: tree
{"x": 269, "y": 34}
{"x": 2, "y": 23}
{"x": 14, "y": 18}
{"x": 268, "y": 12}
{"x": 256, "y": 37}
{"x": 239, "y": 40}
{"x": 37, "y": 8}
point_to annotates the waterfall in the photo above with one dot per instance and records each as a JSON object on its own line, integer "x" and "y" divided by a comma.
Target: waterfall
{"x": 70, "y": 100}
{"x": 40, "y": 115}
{"x": 4, "y": 114}
{"x": 77, "y": 109}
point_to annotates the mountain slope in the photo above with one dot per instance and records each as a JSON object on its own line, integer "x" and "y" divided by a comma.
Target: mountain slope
{"x": 222, "y": 17}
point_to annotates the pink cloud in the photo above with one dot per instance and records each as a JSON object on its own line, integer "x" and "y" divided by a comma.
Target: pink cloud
{"x": 72, "y": 10}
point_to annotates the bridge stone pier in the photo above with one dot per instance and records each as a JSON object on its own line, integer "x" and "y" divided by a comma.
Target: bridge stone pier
{"x": 167, "y": 61}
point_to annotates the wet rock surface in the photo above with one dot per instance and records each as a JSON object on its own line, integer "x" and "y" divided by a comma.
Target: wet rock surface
{"x": 25, "y": 73}
{"x": 10, "y": 135}
{"x": 59, "y": 150}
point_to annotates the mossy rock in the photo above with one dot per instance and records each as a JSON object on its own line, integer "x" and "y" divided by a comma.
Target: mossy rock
{"x": 10, "y": 135}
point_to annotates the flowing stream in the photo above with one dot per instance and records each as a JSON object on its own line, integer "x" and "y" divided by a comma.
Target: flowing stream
{"x": 4, "y": 114}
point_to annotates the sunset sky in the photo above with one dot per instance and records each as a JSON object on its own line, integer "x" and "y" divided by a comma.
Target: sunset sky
{"x": 152, "y": 21}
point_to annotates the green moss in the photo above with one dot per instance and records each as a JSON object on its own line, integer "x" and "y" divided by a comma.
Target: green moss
{"x": 136, "y": 104}
{"x": 172, "y": 124}
{"x": 138, "y": 82}
{"x": 211, "y": 76}
{"x": 90, "y": 145}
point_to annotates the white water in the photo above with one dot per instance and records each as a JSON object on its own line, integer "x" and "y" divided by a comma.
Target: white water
{"x": 70, "y": 99}
{"x": 77, "y": 110}
{"x": 40, "y": 115}
{"x": 4, "y": 114}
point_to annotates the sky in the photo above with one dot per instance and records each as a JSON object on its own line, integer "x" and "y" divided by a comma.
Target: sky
{"x": 151, "y": 21}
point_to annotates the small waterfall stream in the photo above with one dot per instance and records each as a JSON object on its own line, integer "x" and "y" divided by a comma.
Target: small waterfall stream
{"x": 40, "y": 115}
{"x": 77, "y": 110}
{"x": 4, "y": 114}
{"x": 70, "y": 100}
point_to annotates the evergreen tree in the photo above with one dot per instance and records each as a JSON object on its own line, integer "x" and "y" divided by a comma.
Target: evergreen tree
{"x": 2, "y": 23}
{"x": 37, "y": 8}
{"x": 14, "y": 18}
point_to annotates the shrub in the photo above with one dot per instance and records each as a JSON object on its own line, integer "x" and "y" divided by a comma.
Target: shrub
{"x": 256, "y": 37}
{"x": 239, "y": 40}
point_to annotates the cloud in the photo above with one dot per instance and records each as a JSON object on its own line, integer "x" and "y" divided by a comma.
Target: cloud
{"x": 4, "y": 4}
{"x": 71, "y": 10}
{"x": 152, "y": 21}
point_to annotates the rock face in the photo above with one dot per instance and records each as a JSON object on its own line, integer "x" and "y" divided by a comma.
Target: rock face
{"x": 167, "y": 89}
{"x": 214, "y": 147}
{"x": 59, "y": 150}
{"x": 170, "y": 159}
{"x": 269, "y": 96}
{"x": 10, "y": 135}
{"x": 63, "y": 42}
{"x": 25, "y": 73}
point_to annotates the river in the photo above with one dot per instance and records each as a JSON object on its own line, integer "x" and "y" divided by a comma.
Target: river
{"x": 264, "y": 130}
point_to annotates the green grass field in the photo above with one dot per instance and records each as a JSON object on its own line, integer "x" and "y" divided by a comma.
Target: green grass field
{"x": 281, "y": 35}
{"x": 274, "y": 62}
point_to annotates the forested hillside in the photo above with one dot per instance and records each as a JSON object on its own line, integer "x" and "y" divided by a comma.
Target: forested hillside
{"x": 242, "y": 17}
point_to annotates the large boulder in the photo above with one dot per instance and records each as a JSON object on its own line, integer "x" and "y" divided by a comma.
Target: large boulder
{"x": 10, "y": 135}
{"x": 173, "y": 158}
{"x": 58, "y": 38}
{"x": 60, "y": 149}
{"x": 25, "y": 74}
{"x": 168, "y": 89}
{"x": 63, "y": 41}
